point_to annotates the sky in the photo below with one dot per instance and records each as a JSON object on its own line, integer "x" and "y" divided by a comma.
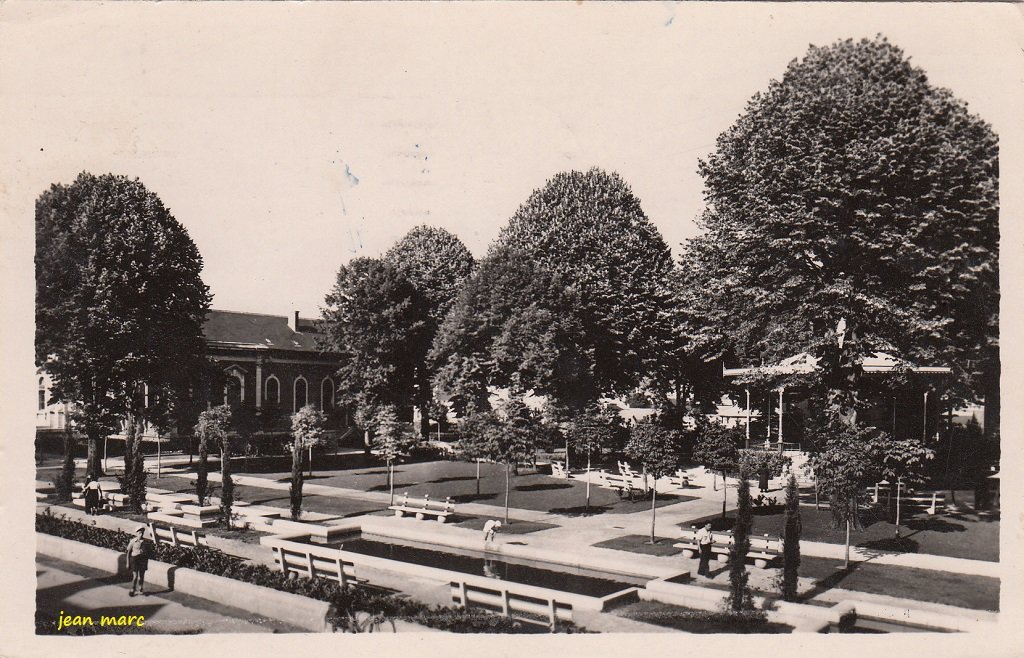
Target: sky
{"x": 288, "y": 138}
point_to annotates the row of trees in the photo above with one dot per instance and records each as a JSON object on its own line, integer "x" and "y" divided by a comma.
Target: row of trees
{"x": 851, "y": 209}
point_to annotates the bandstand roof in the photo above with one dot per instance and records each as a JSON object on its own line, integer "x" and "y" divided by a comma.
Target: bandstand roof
{"x": 879, "y": 362}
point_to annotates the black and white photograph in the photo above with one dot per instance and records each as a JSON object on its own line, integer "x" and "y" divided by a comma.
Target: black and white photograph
{"x": 634, "y": 321}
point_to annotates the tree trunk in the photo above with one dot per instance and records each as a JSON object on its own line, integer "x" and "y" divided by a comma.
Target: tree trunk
{"x": 310, "y": 461}
{"x": 391, "y": 481}
{"x": 507, "y": 485}
{"x": 106, "y": 438}
{"x": 227, "y": 486}
{"x": 567, "y": 455}
{"x": 654, "y": 496}
{"x": 898, "y": 487}
{"x": 725, "y": 493}
{"x": 478, "y": 477}
{"x": 588, "y": 483}
{"x": 92, "y": 463}
{"x": 846, "y": 562}
{"x": 159, "y": 456}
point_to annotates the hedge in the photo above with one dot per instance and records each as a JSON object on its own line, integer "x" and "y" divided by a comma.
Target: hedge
{"x": 346, "y": 601}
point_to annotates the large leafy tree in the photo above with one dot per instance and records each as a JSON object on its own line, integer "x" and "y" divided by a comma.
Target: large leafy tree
{"x": 119, "y": 308}
{"x": 375, "y": 319}
{"x": 852, "y": 208}
{"x": 514, "y": 326}
{"x": 437, "y": 264}
{"x": 587, "y": 236}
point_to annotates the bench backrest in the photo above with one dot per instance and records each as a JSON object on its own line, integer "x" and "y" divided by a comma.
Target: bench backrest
{"x": 175, "y": 537}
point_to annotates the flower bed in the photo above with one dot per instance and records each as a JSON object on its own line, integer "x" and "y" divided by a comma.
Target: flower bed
{"x": 347, "y": 602}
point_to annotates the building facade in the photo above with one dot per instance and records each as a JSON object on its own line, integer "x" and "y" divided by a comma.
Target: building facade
{"x": 272, "y": 364}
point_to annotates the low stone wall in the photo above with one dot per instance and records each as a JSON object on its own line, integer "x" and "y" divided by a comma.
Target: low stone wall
{"x": 300, "y": 611}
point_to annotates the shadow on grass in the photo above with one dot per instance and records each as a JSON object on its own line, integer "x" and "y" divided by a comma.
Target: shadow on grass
{"x": 641, "y": 544}
{"x": 453, "y": 479}
{"x": 543, "y": 486}
{"x": 469, "y": 498}
{"x": 580, "y": 510}
{"x": 828, "y": 582}
{"x": 891, "y": 544}
{"x": 935, "y": 525}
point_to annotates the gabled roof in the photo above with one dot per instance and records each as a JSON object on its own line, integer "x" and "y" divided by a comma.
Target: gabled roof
{"x": 258, "y": 331}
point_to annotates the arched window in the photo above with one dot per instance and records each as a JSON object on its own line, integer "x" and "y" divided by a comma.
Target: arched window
{"x": 42, "y": 393}
{"x": 326, "y": 394}
{"x": 272, "y": 394}
{"x": 234, "y": 390}
{"x": 299, "y": 393}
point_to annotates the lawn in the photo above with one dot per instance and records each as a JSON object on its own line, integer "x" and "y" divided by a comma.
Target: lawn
{"x": 949, "y": 535}
{"x": 977, "y": 592}
{"x": 641, "y": 544}
{"x": 695, "y": 621}
{"x": 535, "y": 491}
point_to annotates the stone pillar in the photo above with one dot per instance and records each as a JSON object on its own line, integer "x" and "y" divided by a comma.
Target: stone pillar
{"x": 259, "y": 383}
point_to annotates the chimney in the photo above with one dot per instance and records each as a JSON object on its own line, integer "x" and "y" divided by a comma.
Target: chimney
{"x": 293, "y": 321}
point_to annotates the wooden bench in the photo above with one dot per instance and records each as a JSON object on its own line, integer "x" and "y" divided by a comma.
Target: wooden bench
{"x": 624, "y": 485}
{"x": 191, "y": 516}
{"x": 424, "y": 508}
{"x": 558, "y": 470}
{"x": 763, "y": 548}
{"x": 679, "y": 480}
{"x": 313, "y": 563}
{"x": 174, "y": 537}
{"x": 908, "y": 496}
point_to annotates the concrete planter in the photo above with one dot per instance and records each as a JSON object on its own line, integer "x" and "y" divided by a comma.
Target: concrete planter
{"x": 300, "y": 611}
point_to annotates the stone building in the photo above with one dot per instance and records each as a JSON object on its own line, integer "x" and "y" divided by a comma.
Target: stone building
{"x": 272, "y": 364}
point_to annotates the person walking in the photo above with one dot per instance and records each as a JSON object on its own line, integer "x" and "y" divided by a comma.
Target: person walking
{"x": 138, "y": 551}
{"x": 92, "y": 496}
{"x": 704, "y": 541}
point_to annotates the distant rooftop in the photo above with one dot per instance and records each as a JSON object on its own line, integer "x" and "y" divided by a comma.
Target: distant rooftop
{"x": 879, "y": 362}
{"x": 257, "y": 330}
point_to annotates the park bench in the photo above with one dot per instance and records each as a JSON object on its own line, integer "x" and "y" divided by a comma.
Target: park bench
{"x": 192, "y": 516}
{"x": 424, "y": 508}
{"x": 763, "y": 548}
{"x": 908, "y": 496}
{"x": 315, "y": 562}
{"x": 558, "y": 470}
{"x": 624, "y": 485}
{"x": 679, "y": 479}
{"x": 174, "y": 537}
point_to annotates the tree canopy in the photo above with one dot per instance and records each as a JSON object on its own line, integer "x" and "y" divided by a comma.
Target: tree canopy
{"x": 851, "y": 199}
{"x": 120, "y": 303}
{"x": 575, "y": 281}
{"x": 375, "y": 319}
{"x": 513, "y": 327}
{"x": 437, "y": 264}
